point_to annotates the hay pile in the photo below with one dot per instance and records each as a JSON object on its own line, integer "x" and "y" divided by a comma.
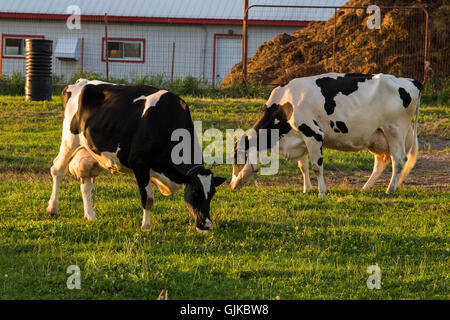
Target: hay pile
{"x": 397, "y": 48}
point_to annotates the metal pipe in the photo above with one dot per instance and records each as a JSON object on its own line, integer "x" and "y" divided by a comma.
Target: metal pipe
{"x": 106, "y": 47}
{"x": 334, "y": 42}
{"x": 427, "y": 46}
{"x": 173, "y": 61}
{"x": 245, "y": 42}
{"x": 1, "y": 53}
{"x": 82, "y": 54}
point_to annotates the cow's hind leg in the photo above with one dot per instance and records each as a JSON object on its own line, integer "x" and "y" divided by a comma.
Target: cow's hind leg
{"x": 303, "y": 165}
{"x": 412, "y": 144}
{"x": 142, "y": 174}
{"x": 58, "y": 170}
{"x": 381, "y": 162}
{"x": 396, "y": 140}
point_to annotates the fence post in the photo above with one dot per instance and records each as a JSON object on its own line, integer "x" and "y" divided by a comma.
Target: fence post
{"x": 245, "y": 42}
{"x": 1, "y": 53}
{"x": 82, "y": 54}
{"x": 106, "y": 47}
{"x": 334, "y": 42}
{"x": 173, "y": 62}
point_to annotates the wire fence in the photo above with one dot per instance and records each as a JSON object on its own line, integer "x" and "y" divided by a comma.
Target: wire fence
{"x": 113, "y": 48}
{"x": 394, "y": 40}
{"x": 337, "y": 39}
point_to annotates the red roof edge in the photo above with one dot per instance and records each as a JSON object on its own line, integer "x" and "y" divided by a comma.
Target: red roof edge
{"x": 48, "y": 16}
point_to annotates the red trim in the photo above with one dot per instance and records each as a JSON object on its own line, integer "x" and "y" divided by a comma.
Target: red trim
{"x": 223, "y": 35}
{"x": 24, "y": 36}
{"x": 124, "y": 39}
{"x": 46, "y": 16}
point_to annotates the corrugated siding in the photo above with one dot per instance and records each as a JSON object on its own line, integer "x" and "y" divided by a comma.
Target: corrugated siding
{"x": 200, "y": 9}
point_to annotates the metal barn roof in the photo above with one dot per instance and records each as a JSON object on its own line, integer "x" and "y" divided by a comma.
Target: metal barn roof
{"x": 173, "y": 11}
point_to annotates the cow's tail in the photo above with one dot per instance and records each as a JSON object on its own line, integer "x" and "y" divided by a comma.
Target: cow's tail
{"x": 414, "y": 150}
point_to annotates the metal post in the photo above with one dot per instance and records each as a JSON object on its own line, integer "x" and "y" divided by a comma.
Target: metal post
{"x": 334, "y": 42}
{"x": 173, "y": 62}
{"x": 106, "y": 47}
{"x": 427, "y": 47}
{"x": 1, "y": 53}
{"x": 245, "y": 42}
{"x": 82, "y": 54}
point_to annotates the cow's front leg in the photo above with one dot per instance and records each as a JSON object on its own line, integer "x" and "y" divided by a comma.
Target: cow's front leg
{"x": 314, "y": 141}
{"x": 142, "y": 175}
{"x": 58, "y": 170}
{"x": 303, "y": 165}
{"x": 317, "y": 165}
{"x": 86, "y": 192}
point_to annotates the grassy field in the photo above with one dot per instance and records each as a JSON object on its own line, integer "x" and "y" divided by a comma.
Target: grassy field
{"x": 269, "y": 241}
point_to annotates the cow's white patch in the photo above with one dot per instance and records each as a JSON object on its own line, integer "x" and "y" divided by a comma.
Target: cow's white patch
{"x": 206, "y": 183}
{"x": 277, "y": 121}
{"x": 151, "y": 100}
{"x": 166, "y": 186}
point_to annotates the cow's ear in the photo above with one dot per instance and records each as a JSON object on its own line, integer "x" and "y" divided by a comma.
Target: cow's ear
{"x": 65, "y": 96}
{"x": 218, "y": 181}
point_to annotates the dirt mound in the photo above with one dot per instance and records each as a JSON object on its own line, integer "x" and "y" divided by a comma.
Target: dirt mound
{"x": 397, "y": 48}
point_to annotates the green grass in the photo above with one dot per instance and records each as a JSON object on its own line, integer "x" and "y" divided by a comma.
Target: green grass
{"x": 267, "y": 242}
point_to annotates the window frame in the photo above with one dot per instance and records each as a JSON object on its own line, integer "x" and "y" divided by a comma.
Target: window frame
{"x": 16, "y": 36}
{"x": 129, "y": 40}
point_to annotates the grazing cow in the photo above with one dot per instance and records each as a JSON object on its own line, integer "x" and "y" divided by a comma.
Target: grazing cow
{"x": 347, "y": 112}
{"x": 117, "y": 127}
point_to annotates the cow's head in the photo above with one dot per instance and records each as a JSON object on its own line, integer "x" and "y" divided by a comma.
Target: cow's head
{"x": 198, "y": 194}
{"x": 245, "y": 157}
{"x": 244, "y": 169}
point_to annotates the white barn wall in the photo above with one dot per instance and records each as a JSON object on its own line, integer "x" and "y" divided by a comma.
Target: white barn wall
{"x": 193, "y": 52}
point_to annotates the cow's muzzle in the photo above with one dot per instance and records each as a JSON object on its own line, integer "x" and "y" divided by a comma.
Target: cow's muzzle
{"x": 205, "y": 227}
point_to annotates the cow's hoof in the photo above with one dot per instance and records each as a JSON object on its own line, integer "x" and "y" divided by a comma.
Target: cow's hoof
{"x": 146, "y": 228}
{"x": 202, "y": 231}
{"x": 90, "y": 218}
{"x": 51, "y": 212}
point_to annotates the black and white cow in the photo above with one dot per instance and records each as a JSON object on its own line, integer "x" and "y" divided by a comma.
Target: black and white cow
{"x": 347, "y": 112}
{"x": 118, "y": 127}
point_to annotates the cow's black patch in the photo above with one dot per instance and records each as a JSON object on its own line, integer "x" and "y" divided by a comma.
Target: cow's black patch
{"x": 331, "y": 124}
{"x": 337, "y": 131}
{"x": 346, "y": 85}
{"x": 341, "y": 126}
{"x": 404, "y": 95}
{"x": 320, "y": 161}
{"x": 307, "y": 131}
{"x": 418, "y": 84}
{"x": 274, "y": 117}
{"x": 315, "y": 122}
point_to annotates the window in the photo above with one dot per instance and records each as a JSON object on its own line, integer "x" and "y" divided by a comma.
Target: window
{"x": 124, "y": 50}
{"x": 14, "y": 45}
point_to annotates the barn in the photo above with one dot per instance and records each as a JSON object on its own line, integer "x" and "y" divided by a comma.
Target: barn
{"x": 171, "y": 38}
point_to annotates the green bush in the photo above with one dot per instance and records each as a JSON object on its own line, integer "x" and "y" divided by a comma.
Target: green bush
{"x": 435, "y": 91}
